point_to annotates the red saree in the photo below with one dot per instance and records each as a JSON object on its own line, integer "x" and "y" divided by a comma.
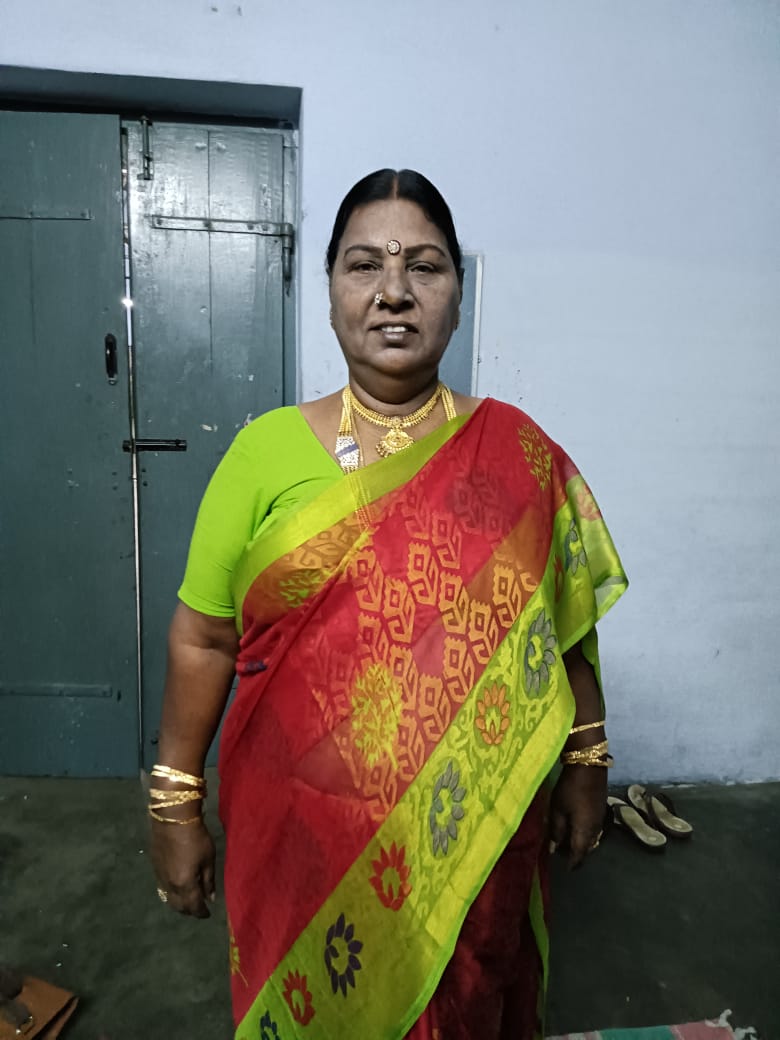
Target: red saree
{"x": 401, "y": 700}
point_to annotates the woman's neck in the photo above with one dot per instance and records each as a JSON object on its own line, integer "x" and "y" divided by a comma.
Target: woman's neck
{"x": 392, "y": 397}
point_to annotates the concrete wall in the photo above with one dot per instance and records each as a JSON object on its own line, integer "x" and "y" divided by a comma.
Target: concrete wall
{"x": 616, "y": 161}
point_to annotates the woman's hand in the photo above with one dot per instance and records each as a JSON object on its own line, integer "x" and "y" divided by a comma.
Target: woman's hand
{"x": 577, "y": 810}
{"x": 183, "y": 859}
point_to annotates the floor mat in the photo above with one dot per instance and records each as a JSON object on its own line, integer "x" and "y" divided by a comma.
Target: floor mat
{"x": 714, "y": 1029}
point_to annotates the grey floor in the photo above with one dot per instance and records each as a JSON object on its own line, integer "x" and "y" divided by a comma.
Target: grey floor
{"x": 637, "y": 939}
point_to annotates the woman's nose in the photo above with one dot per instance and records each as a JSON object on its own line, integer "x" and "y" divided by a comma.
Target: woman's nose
{"x": 395, "y": 286}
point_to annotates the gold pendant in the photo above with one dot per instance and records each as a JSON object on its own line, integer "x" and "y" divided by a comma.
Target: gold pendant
{"x": 347, "y": 453}
{"x": 393, "y": 441}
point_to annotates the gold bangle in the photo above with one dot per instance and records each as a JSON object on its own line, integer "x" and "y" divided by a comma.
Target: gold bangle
{"x": 606, "y": 761}
{"x": 180, "y": 796}
{"x": 590, "y": 750}
{"x": 167, "y": 819}
{"x": 168, "y": 799}
{"x": 167, "y": 773}
{"x": 594, "y": 755}
{"x": 587, "y": 725}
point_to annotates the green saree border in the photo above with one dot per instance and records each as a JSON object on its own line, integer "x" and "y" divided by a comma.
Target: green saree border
{"x": 337, "y": 502}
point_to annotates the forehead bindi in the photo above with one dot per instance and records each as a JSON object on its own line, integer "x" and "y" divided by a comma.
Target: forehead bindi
{"x": 399, "y": 220}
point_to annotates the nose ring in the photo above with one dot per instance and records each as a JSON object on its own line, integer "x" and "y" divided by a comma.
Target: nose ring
{"x": 378, "y": 298}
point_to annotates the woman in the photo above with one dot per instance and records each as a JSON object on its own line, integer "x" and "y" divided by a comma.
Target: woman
{"x": 406, "y": 581}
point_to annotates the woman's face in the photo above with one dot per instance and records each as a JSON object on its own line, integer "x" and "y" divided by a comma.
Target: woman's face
{"x": 406, "y": 334}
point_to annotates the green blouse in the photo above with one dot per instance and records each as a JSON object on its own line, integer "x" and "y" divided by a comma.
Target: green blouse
{"x": 275, "y": 464}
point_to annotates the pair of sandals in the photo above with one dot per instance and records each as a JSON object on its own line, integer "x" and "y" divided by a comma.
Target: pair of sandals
{"x": 647, "y": 816}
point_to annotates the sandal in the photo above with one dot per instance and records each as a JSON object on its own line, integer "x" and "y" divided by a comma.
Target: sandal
{"x": 660, "y": 810}
{"x": 31, "y": 1008}
{"x": 636, "y": 823}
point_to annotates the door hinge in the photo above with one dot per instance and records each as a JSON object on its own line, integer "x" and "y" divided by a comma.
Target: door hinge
{"x": 146, "y": 150}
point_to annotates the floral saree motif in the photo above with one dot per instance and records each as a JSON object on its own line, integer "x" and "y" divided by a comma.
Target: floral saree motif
{"x": 402, "y": 698}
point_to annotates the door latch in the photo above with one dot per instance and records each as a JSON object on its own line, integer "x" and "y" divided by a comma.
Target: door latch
{"x": 150, "y": 444}
{"x": 273, "y": 229}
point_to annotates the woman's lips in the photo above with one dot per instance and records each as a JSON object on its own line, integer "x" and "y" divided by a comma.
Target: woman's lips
{"x": 394, "y": 332}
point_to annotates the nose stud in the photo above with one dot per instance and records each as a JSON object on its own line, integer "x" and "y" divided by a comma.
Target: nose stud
{"x": 378, "y": 298}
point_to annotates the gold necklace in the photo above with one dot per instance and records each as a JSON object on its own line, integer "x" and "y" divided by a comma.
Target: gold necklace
{"x": 396, "y": 439}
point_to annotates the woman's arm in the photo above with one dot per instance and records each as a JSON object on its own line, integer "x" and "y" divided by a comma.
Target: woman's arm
{"x": 201, "y": 664}
{"x": 580, "y": 795}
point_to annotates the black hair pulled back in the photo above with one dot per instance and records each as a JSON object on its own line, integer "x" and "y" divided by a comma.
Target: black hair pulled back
{"x": 396, "y": 184}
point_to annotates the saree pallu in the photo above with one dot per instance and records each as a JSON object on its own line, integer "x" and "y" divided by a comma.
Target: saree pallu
{"x": 401, "y": 700}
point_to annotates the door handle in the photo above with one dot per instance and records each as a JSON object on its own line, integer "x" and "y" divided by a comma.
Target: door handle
{"x": 110, "y": 350}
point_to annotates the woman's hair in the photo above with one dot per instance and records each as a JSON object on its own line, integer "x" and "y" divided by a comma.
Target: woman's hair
{"x": 396, "y": 184}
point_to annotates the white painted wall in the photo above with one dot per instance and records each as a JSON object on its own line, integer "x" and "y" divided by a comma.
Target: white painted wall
{"x": 616, "y": 161}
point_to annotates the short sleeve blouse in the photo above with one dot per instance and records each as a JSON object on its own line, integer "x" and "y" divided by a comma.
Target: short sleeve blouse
{"x": 273, "y": 465}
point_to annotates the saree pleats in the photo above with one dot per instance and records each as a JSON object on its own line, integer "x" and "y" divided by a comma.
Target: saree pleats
{"x": 493, "y": 985}
{"x": 401, "y": 699}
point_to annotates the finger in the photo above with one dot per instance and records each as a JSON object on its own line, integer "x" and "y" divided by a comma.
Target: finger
{"x": 580, "y": 842}
{"x": 189, "y": 907}
{"x": 557, "y": 829}
{"x": 208, "y": 882}
{"x": 188, "y": 899}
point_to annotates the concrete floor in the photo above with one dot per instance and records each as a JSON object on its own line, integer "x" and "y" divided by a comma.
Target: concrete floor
{"x": 637, "y": 939}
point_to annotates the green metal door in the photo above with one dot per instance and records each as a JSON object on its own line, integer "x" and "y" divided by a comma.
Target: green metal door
{"x": 211, "y": 248}
{"x": 68, "y": 675}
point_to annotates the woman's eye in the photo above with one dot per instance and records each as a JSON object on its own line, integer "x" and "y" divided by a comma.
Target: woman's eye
{"x": 365, "y": 265}
{"x": 423, "y": 268}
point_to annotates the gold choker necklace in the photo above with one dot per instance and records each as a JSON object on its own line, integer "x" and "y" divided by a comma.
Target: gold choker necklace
{"x": 396, "y": 439}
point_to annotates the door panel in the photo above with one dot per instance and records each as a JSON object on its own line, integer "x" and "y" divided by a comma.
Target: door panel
{"x": 67, "y": 653}
{"x": 208, "y": 334}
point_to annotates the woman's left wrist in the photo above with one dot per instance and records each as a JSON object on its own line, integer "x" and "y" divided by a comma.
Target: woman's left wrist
{"x": 584, "y": 734}
{"x": 587, "y": 745}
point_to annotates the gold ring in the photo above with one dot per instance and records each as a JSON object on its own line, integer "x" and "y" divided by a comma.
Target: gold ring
{"x": 162, "y": 895}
